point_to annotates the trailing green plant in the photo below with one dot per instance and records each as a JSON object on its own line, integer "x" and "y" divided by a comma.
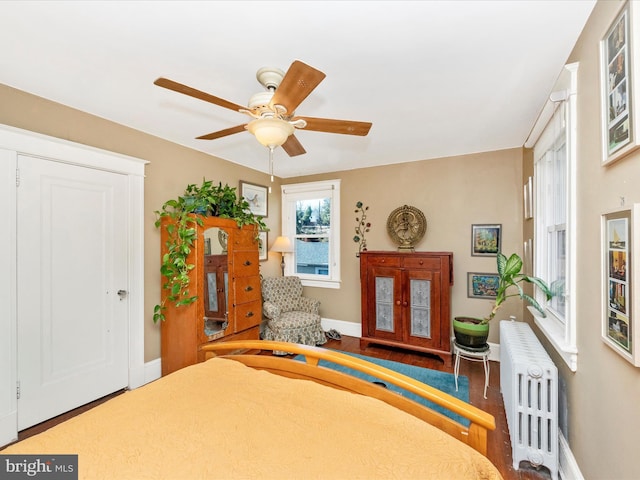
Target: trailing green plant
{"x": 510, "y": 285}
{"x": 185, "y": 214}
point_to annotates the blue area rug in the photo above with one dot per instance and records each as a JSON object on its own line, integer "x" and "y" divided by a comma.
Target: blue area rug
{"x": 441, "y": 380}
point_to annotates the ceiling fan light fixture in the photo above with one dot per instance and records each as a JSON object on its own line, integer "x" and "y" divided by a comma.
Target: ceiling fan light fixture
{"x": 270, "y": 132}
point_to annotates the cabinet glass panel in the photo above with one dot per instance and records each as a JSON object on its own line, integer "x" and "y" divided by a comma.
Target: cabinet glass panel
{"x": 384, "y": 304}
{"x": 420, "y": 291}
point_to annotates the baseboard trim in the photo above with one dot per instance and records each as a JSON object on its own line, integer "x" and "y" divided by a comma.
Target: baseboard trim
{"x": 568, "y": 467}
{"x": 350, "y": 329}
{"x": 494, "y": 354}
{"x": 152, "y": 370}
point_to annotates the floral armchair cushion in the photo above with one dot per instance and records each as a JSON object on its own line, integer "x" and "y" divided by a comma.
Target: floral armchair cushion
{"x": 284, "y": 294}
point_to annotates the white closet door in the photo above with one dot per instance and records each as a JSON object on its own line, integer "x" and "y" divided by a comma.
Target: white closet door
{"x": 72, "y": 261}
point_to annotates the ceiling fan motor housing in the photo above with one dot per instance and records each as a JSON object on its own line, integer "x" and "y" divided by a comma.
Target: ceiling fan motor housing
{"x": 260, "y": 103}
{"x": 270, "y": 77}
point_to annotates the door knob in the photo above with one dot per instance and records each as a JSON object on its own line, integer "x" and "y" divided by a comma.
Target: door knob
{"x": 122, "y": 294}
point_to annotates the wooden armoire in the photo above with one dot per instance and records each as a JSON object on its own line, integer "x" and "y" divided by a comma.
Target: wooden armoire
{"x": 406, "y": 299}
{"x": 226, "y": 279}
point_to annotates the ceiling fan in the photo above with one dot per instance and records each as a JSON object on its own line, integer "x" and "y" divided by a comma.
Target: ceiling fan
{"x": 273, "y": 111}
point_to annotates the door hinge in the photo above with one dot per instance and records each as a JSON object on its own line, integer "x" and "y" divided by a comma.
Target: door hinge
{"x": 18, "y": 389}
{"x": 17, "y": 177}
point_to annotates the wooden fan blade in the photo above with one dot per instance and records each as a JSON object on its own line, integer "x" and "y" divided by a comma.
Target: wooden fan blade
{"x": 346, "y": 127}
{"x": 192, "y": 92}
{"x": 297, "y": 84}
{"x": 223, "y": 133}
{"x": 293, "y": 147}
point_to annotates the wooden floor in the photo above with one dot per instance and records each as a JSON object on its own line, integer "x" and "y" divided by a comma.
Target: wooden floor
{"x": 499, "y": 446}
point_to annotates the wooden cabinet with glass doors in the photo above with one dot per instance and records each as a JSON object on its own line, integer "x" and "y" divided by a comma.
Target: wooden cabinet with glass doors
{"x": 226, "y": 279}
{"x": 406, "y": 300}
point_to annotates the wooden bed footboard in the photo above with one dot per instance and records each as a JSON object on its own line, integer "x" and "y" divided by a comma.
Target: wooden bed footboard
{"x": 475, "y": 435}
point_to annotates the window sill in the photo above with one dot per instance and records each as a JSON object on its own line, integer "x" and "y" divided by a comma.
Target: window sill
{"x": 320, "y": 283}
{"x": 553, "y": 330}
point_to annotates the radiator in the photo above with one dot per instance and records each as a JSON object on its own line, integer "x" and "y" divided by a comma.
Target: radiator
{"x": 529, "y": 385}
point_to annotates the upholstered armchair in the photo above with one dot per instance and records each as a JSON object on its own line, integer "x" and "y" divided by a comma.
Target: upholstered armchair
{"x": 291, "y": 317}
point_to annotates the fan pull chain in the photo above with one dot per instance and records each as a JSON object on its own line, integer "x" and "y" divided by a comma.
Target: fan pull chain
{"x": 271, "y": 148}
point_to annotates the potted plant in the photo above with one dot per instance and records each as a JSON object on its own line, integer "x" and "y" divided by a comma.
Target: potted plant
{"x": 186, "y": 213}
{"x": 473, "y": 332}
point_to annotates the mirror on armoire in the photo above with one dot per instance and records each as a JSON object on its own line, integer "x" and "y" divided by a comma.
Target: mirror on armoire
{"x": 216, "y": 281}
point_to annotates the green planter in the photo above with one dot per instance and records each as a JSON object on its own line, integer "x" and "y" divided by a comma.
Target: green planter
{"x": 470, "y": 332}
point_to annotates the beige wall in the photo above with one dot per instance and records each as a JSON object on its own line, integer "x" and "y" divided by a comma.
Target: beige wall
{"x": 603, "y": 395}
{"x": 453, "y": 193}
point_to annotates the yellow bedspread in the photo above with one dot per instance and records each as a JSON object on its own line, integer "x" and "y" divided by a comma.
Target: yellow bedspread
{"x": 223, "y": 420}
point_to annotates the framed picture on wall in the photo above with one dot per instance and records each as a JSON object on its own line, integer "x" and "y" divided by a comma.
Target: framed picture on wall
{"x": 619, "y": 86}
{"x": 619, "y": 270}
{"x": 486, "y": 240}
{"x": 263, "y": 245}
{"x": 257, "y": 197}
{"x": 482, "y": 285}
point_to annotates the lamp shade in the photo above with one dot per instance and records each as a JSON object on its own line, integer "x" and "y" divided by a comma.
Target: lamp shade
{"x": 270, "y": 132}
{"x": 282, "y": 244}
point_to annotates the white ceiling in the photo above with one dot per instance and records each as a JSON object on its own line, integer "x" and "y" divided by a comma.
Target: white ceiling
{"x": 436, "y": 78}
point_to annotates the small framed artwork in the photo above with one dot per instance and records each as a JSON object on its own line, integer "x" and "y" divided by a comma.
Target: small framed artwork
{"x": 619, "y": 271}
{"x": 618, "y": 84}
{"x": 256, "y": 196}
{"x": 482, "y": 285}
{"x": 263, "y": 245}
{"x": 486, "y": 240}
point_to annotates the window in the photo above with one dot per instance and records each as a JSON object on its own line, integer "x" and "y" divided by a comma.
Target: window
{"x": 311, "y": 219}
{"x": 555, "y": 252}
{"x": 551, "y": 174}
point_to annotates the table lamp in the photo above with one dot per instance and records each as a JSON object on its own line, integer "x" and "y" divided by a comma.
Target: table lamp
{"x": 282, "y": 245}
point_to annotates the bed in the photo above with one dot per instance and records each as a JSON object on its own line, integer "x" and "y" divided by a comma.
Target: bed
{"x": 243, "y": 414}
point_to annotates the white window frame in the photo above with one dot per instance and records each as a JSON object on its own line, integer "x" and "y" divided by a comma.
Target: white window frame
{"x": 311, "y": 190}
{"x": 561, "y": 332}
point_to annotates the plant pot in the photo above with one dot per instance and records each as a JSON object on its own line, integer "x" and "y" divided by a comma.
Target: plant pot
{"x": 470, "y": 332}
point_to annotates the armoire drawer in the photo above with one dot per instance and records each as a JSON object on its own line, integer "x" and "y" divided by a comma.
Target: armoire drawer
{"x": 247, "y": 289}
